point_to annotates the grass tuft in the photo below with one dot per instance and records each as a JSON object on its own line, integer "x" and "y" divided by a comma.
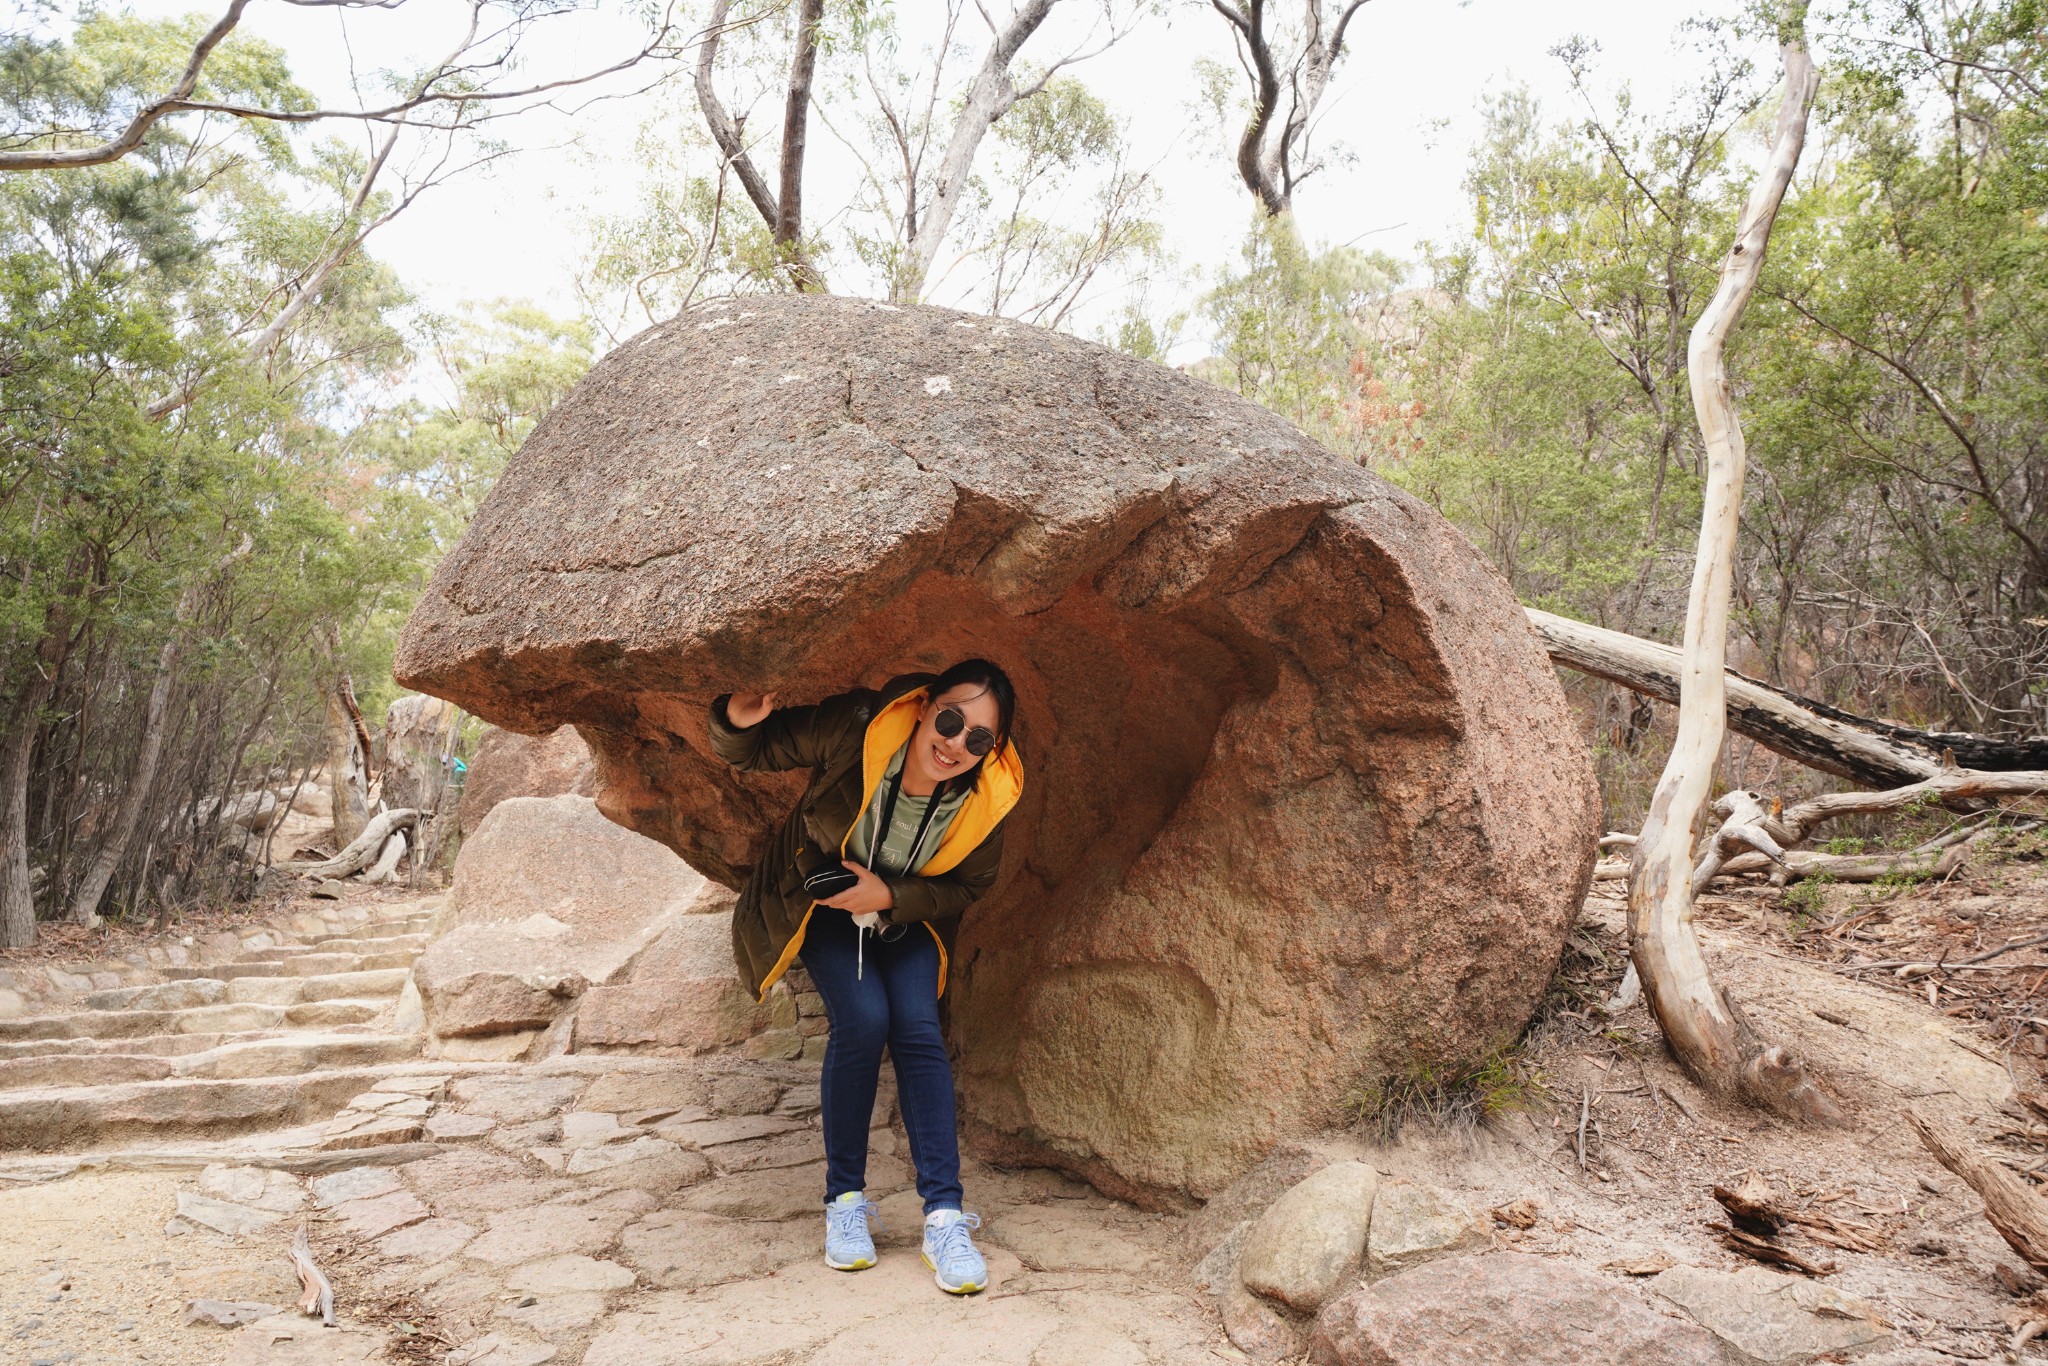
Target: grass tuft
{"x": 1448, "y": 1096}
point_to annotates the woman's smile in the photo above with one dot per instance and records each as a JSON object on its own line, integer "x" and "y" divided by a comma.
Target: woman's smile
{"x": 944, "y": 762}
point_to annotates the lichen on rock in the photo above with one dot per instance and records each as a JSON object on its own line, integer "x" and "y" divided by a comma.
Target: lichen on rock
{"x": 1303, "y": 802}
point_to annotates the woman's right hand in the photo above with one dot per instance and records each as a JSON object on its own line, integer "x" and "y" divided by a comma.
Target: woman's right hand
{"x": 745, "y": 710}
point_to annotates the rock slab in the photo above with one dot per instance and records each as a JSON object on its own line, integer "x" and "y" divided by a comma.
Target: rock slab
{"x": 1505, "y": 1309}
{"x": 508, "y": 764}
{"x": 1412, "y": 1223}
{"x": 1351, "y": 817}
{"x": 1773, "y": 1318}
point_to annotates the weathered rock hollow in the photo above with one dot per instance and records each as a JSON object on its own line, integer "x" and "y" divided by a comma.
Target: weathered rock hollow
{"x": 1304, "y": 805}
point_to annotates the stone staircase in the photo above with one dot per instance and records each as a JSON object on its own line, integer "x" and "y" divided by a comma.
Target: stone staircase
{"x": 277, "y": 1027}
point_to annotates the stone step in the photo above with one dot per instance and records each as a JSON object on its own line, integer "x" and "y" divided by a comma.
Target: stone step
{"x": 120, "y": 1024}
{"x": 181, "y": 994}
{"x": 271, "y": 1057}
{"x": 224, "y": 972}
{"x": 394, "y": 943}
{"x": 162, "y": 1045}
{"x": 78, "y": 1116}
{"x": 372, "y": 982}
{"x": 335, "y": 1012}
{"x": 345, "y": 998}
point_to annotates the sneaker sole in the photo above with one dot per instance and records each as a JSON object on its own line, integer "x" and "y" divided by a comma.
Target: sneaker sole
{"x": 970, "y": 1288}
{"x": 850, "y": 1266}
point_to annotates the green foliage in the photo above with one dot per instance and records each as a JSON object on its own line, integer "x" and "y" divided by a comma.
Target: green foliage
{"x": 1037, "y": 257}
{"x": 263, "y": 522}
{"x": 1807, "y": 898}
{"x": 1293, "y": 327}
{"x": 1846, "y": 844}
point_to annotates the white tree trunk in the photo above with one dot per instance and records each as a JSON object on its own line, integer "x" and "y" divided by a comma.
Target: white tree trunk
{"x": 1706, "y": 1033}
{"x": 988, "y": 98}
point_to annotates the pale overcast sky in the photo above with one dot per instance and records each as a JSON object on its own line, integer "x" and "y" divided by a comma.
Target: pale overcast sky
{"x": 1405, "y": 100}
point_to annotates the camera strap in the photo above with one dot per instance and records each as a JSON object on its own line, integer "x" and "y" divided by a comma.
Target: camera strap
{"x": 924, "y": 823}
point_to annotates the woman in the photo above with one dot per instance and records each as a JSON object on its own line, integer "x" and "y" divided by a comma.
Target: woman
{"x": 909, "y": 788}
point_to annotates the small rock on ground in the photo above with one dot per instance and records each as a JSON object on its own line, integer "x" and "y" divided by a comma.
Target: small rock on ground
{"x": 1312, "y": 1239}
{"x": 1412, "y": 1223}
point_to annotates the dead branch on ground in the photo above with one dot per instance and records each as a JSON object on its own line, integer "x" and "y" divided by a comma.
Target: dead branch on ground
{"x": 2010, "y": 1204}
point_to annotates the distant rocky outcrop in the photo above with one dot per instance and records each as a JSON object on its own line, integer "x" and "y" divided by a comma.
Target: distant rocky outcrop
{"x": 1304, "y": 805}
{"x": 508, "y": 764}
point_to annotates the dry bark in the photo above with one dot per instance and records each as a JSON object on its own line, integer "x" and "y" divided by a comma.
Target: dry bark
{"x": 1798, "y": 824}
{"x": 362, "y": 848}
{"x": 387, "y": 862}
{"x": 1708, "y": 1035}
{"x": 316, "y": 1292}
{"x": 989, "y": 96}
{"x": 348, "y": 761}
{"x": 2019, "y": 1215}
{"x": 783, "y": 214}
{"x": 1272, "y": 149}
{"x": 1863, "y": 750}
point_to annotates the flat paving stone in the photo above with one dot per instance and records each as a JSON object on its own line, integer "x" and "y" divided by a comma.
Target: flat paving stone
{"x": 430, "y": 1240}
{"x": 549, "y": 1315}
{"x": 523, "y": 1235}
{"x": 569, "y": 1272}
{"x": 685, "y": 1249}
{"x": 382, "y": 1214}
{"x": 357, "y": 1183}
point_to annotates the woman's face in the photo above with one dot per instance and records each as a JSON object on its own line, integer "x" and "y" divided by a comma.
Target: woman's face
{"x": 933, "y": 756}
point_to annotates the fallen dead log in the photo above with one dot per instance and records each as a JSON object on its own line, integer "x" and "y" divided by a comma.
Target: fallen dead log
{"x": 2019, "y": 1215}
{"x": 387, "y": 862}
{"x": 1748, "y": 818}
{"x": 1863, "y": 750}
{"x": 362, "y": 848}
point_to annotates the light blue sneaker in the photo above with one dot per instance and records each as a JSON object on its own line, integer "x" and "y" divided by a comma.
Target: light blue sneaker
{"x": 848, "y": 1245}
{"x": 949, "y": 1252}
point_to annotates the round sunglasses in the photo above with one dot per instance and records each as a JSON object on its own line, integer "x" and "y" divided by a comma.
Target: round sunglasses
{"x": 949, "y": 723}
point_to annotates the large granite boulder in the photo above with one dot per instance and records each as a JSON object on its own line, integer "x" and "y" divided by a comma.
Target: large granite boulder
{"x": 1303, "y": 802}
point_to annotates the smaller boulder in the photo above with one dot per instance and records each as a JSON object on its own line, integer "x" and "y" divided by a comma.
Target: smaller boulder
{"x": 549, "y": 898}
{"x": 1773, "y": 1318}
{"x": 1310, "y": 1242}
{"x": 1412, "y": 1223}
{"x": 1505, "y": 1309}
{"x": 680, "y": 994}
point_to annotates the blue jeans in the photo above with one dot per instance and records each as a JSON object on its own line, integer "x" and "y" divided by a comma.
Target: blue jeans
{"x": 894, "y": 1001}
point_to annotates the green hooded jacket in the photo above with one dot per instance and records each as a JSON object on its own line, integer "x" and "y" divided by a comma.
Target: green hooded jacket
{"x": 846, "y": 741}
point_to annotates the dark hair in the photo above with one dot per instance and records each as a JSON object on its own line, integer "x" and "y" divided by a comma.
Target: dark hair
{"x": 998, "y": 685}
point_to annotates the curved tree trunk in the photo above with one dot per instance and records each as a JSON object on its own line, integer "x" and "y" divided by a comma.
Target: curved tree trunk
{"x": 1709, "y": 1036}
{"x": 348, "y": 761}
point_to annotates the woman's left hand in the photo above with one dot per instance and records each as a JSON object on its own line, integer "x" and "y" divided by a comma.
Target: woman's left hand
{"x": 868, "y": 894}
